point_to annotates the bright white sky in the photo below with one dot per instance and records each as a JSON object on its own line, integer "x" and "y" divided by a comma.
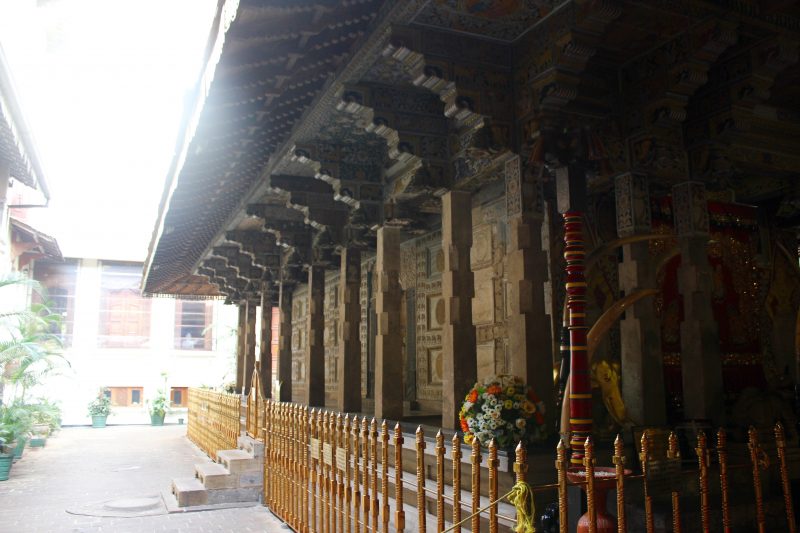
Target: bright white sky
{"x": 102, "y": 85}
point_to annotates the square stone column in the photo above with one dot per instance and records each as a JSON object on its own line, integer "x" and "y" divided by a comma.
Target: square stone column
{"x": 388, "y": 340}
{"x": 529, "y": 326}
{"x": 315, "y": 347}
{"x": 701, "y": 364}
{"x": 249, "y": 345}
{"x": 640, "y": 328}
{"x": 285, "y": 341}
{"x": 265, "y": 349}
{"x": 459, "y": 360}
{"x": 241, "y": 328}
{"x": 348, "y": 395}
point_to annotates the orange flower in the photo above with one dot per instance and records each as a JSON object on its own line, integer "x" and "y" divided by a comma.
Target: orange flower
{"x": 473, "y": 396}
{"x": 464, "y": 425}
{"x": 494, "y": 389}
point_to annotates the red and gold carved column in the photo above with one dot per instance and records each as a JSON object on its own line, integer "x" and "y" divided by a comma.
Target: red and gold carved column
{"x": 580, "y": 395}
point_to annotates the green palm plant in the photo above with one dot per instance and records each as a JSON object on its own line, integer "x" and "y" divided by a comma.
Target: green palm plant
{"x": 30, "y": 346}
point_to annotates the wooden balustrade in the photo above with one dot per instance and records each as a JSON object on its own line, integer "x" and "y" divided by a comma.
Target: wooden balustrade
{"x": 213, "y": 420}
{"x": 329, "y": 472}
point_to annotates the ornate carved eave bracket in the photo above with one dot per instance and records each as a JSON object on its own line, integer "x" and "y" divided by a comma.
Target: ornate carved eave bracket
{"x": 459, "y": 108}
{"x": 400, "y": 175}
{"x": 681, "y": 67}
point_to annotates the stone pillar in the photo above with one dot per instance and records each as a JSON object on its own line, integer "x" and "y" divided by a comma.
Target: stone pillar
{"x": 388, "y": 340}
{"x": 701, "y": 364}
{"x": 529, "y": 327}
{"x": 315, "y": 347}
{"x": 241, "y": 328}
{"x": 640, "y": 328}
{"x": 285, "y": 342}
{"x": 249, "y": 345}
{"x": 459, "y": 361}
{"x": 265, "y": 349}
{"x": 348, "y": 395}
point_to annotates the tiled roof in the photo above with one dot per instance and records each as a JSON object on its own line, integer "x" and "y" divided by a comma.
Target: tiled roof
{"x": 276, "y": 58}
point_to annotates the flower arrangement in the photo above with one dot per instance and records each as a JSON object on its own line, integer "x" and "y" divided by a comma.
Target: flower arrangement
{"x": 502, "y": 408}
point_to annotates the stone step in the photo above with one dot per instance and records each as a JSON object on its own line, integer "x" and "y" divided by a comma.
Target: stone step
{"x": 251, "y": 478}
{"x": 237, "y": 461}
{"x": 215, "y": 476}
{"x": 249, "y": 494}
{"x": 251, "y": 446}
{"x": 189, "y": 492}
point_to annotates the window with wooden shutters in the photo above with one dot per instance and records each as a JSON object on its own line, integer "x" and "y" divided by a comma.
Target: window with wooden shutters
{"x": 124, "y": 396}
{"x": 124, "y": 314}
{"x": 192, "y": 325}
{"x": 58, "y": 281}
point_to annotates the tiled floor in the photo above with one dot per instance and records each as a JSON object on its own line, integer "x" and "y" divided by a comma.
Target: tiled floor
{"x": 81, "y": 468}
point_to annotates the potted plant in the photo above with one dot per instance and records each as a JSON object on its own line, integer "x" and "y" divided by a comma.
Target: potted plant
{"x": 6, "y": 458}
{"x": 158, "y": 407}
{"x": 15, "y": 426}
{"x": 99, "y": 409}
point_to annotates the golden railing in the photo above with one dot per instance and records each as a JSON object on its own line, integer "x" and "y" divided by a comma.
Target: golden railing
{"x": 332, "y": 472}
{"x": 213, "y": 420}
{"x": 255, "y": 406}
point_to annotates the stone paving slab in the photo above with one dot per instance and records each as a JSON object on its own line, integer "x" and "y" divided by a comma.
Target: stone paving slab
{"x": 83, "y": 466}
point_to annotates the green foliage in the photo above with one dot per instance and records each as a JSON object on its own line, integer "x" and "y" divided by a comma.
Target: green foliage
{"x": 46, "y": 412}
{"x": 101, "y": 405}
{"x": 30, "y": 346}
{"x": 15, "y": 421}
{"x": 158, "y": 405}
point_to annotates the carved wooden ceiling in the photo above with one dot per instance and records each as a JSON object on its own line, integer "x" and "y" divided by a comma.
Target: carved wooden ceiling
{"x": 327, "y": 119}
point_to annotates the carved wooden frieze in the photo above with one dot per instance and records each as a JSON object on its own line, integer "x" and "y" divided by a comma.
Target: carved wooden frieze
{"x": 690, "y": 208}
{"x": 632, "y": 196}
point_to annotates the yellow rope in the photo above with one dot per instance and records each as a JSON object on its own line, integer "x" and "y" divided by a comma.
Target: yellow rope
{"x": 521, "y": 497}
{"x": 517, "y": 496}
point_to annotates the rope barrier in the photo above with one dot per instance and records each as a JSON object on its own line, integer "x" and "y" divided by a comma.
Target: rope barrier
{"x": 520, "y": 494}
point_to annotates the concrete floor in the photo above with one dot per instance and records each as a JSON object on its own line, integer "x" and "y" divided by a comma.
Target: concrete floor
{"x": 81, "y": 469}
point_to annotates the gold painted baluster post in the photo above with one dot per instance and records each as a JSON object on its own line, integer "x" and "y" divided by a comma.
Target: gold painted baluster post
{"x": 303, "y": 468}
{"x": 673, "y": 452}
{"x": 780, "y": 441}
{"x": 323, "y": 475}
{"x": 588, "y": 464}
{"x": 492, "y": 464}
{"x": 332, "y": 474}
{"x": 339, "y": 472}
{"x": 356, "y": 472}
{"x": 561, "y": 470}
{"x": 475, "y": 459}
{"x": 421, "y": 480}
{"x": 399, "y": 514}
{"x": 348, "y": 490}
{"x": 758, "y": 461}
{"x": 375, "y": 505}
{"x": 365, "y": 472}
{"x": 279, "y": 465}
{"x": 267, "y": 455}
{"x": 385, "y": 475}
{"x": 619, "y": 465}
{"x": 644, "y": 457}
{"x": 702, "y": 461}
{"x": 521, "y": 470}
{"x": 722, "y": 454}
{"x": 295, "y": 457}
{"x": 313, "y": 474}
{"x": 456, "y": 456}
{"x": 439, "y": 450}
